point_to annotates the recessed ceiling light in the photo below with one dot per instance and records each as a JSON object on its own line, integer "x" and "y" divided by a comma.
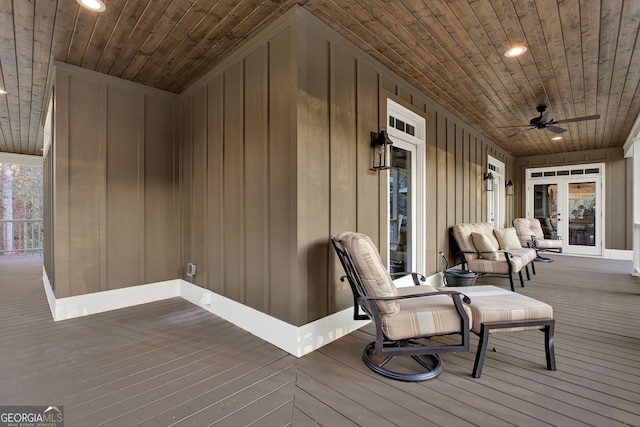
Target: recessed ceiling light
{"x": 556, "y": 138}
{"x": 515, "y": 51}
{"x": 95, "y": 5}
{"x": 3, "y": 92}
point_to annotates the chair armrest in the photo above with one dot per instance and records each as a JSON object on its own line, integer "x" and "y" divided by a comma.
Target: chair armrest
{"x": 412, "y": 296}
{"x": 465, "y": 298}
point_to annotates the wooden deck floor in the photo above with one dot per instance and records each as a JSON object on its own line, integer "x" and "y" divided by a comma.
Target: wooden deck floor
{"x": 171, "y": 363}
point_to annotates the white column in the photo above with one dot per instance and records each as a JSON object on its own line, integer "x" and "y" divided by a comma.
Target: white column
{"x": 636, "y": 205}
{"x": 632, "y": 150}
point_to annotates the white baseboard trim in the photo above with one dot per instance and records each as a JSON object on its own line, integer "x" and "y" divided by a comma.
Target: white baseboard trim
{"x": 297, "y": 341}
{"x": 99, "y": 302}
{"x": 618, "y": 254}
{"x": 51, "y": 298}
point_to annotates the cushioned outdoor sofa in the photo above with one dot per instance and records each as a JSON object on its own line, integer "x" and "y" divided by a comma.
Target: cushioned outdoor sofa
{"x": 487, "y": 250}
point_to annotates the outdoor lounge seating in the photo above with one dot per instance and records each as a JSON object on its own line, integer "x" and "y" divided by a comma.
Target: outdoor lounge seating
{"x": 403, "y": 317}
{"x": 493, "y": 257}
{"x": 497, "y": 310}
{"x": 531, "y": 235}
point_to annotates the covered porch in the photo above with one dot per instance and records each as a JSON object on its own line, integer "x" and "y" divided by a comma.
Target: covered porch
{"x": 173, "y": 363}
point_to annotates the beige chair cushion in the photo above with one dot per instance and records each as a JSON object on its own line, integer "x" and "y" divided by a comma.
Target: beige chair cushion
{"x": 462, "y": 234}
{"x": 507, "y": 238}
{"x": 526, "y": 254}
{"x": 527, "y": 227}
{"x": 371, "y": 270}
{"x": 484, "y": 246}
{"x": 499, "y": 266}
{"x": 423, "y": 317}
{"x": 549, "y": 244}
{"x": 507, "y": 306}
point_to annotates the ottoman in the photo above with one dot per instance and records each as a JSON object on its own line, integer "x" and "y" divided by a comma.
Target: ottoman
{"x": 497, "y": 310}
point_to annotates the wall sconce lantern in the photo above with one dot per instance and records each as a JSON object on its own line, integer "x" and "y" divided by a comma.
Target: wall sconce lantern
{"x": 509, "y": 188}
{"x": 381, "y": 149}
{"x": 488, "y": 181}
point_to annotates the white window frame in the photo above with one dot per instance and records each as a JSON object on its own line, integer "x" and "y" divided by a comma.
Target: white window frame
{"x": 416, "y": 145}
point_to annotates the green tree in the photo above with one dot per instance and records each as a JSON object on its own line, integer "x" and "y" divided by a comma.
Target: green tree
{"x": 21, "y": 195}
{"x": 27, "y": 190}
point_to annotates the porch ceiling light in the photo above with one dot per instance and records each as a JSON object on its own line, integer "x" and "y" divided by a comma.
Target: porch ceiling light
{"x": 94, "y": 5}
{"x": 3, "y": 92}
{"x": 488, "y": 181}
{"x": 556, "y": 138}
{"x": 515, "y": 51}
{"x": 381, "y": 150}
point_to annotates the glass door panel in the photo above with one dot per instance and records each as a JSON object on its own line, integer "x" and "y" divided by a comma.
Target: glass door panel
{"x": 400, "y": 220}
{"x": 545, "y": 208}
{"x": 582, "y": 213}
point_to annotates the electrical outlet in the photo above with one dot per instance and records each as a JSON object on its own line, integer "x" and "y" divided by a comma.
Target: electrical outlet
{"x": 191, "y": 269}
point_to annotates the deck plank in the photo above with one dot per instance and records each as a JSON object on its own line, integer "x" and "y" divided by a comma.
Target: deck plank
{"x": 170, "y": 362}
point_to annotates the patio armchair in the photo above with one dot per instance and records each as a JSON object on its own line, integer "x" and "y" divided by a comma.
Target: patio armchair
{"x": 531, "y": 234}
{"x": 403, "y": 317}
{"x": 480, "y": 251}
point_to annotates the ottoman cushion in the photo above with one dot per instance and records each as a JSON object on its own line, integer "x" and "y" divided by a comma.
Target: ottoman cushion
{"x": 492, "y": 304}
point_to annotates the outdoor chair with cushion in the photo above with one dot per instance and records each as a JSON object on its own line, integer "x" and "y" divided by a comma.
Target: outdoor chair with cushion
{"x": 404, "y": 317}
{"x": 531, "y": 235}
{"x": 487, "y": 250}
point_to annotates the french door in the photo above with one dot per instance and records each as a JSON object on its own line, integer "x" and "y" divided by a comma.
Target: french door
{"x": 568, "y": 205}
{"x": 406, "y": 204}
{"x": 495, "y": 198}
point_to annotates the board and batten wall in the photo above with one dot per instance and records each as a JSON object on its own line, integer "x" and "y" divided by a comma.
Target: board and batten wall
{"x": 111, "y": 184}
{"x": 275, "y": 158}
{"x": 618, "y": 178}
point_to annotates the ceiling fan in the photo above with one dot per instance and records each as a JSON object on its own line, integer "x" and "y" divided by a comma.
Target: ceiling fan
{"x": 548, "y": 121}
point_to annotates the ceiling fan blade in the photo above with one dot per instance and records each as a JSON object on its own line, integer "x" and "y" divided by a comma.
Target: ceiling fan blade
{"x": 518, "y": 133}
{"x": 555, "y": 129}
{"x": 578, "y": 119}
{"x": 517, "y": 126}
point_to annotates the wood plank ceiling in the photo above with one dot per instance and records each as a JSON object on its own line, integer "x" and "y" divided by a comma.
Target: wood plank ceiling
{"x": 583, "y": 56}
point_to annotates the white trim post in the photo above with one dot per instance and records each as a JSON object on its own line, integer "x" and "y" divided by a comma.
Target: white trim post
{"x": 636, "y": 205}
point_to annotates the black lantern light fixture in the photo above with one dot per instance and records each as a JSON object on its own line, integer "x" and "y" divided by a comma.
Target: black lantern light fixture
{"x": 488, "y": 181}
{"x": 508, "y": 188}
{"x": 381, "y": 149}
